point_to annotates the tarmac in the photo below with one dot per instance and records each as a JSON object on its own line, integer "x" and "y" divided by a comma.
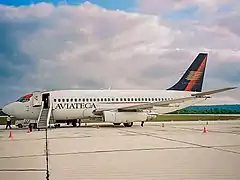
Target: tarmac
{"x": 170, "y": 150}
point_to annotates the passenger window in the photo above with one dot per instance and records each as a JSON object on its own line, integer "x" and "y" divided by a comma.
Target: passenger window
{"x": 55, "y": 100}
{"x": 63, "y": 100}
{"x": 67, "y": 100}
{"x": 75, "y": 100}
{"x": 59, "y": 100}
{"x": 71, "y": 100}
{"x": 116, "y": 99}
{"x": 83, "y": 99}
{"x": 90, "y": 99}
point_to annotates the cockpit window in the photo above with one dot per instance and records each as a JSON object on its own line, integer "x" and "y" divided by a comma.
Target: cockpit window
{"x": 25, "y": 98}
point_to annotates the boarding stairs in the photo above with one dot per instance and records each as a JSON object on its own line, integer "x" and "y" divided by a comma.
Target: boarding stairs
{"x": 45, "y": 116}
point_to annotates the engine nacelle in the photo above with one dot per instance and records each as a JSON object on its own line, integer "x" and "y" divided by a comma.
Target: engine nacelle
{"x": 151, "y": 117}
{"x": 124, "y": 117}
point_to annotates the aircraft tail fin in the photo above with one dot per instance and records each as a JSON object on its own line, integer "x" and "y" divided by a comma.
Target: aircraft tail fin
{"x": 192, "y": 80}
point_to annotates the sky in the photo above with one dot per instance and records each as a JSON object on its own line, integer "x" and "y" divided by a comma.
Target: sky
{"x": 124, "y": 44}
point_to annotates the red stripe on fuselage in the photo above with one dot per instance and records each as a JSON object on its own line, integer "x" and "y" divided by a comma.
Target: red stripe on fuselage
{"x": 28, "y": 96}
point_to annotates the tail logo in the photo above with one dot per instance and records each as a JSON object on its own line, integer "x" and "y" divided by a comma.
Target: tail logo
{"x": 194, "y": 76}
{"x": 192, "y": 79}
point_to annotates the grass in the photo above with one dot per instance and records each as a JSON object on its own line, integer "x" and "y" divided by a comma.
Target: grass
{"x": 170, "y": 118}
{"x": 194, "y": 118}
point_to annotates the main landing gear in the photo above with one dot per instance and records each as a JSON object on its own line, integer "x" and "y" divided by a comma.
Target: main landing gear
{"x": 128, "y": 124}
{"x": 125, "y": 124}
{"x": 74, "y": 123}
{"x": 116, "y": 124}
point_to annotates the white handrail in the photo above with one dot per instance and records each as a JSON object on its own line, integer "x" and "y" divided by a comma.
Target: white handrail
{"x": 39, "y": 116}
{"x": 49, "y": 114}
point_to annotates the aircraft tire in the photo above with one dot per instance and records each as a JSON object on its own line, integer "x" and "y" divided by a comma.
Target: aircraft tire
{"x": 74, "y": 123}
{"x": 128, "y": 124}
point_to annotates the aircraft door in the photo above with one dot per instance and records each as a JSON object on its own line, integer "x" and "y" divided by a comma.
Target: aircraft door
{"x": 36, "y": 100}
{"x": 45, "y": 99}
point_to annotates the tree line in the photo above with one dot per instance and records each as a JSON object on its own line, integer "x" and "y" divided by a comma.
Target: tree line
{"x": 207, "y": 111}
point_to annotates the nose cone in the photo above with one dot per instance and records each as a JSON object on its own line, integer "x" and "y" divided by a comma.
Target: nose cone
{"x": 15, "y": 109}
{"x": 8, "y": 109}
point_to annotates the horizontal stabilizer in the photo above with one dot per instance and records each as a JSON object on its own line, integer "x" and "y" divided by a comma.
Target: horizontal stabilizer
{"x": 213, "y": 91}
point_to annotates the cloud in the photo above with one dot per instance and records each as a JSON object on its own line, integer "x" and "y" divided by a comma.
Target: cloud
{"x": 200, "y": 6}
{"x": 89, "y": 47}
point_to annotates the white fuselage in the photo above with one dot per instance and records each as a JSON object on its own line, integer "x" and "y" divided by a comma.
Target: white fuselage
{"x": 79, "y": 104}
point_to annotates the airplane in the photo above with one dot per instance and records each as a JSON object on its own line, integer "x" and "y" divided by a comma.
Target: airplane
{"x": 116, "y": 106}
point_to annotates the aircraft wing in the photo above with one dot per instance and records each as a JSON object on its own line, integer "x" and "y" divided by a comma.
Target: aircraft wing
{"x": 213, "y": 91}
{"x": 146, "y": 105}
{"x": 179, "y": 100}
{"x": 169, "y": 102}
{"x": 159, "y": 103}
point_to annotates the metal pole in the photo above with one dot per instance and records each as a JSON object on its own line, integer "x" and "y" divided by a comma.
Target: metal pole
{"x": 47, "y": 162}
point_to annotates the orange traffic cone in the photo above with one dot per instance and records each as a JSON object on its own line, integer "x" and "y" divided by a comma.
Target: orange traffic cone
{"x": 10, "y": 134}
{"x": 204, "y": 130}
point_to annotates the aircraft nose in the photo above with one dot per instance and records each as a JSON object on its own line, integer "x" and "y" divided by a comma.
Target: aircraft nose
{"x": 8, "y": 109}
